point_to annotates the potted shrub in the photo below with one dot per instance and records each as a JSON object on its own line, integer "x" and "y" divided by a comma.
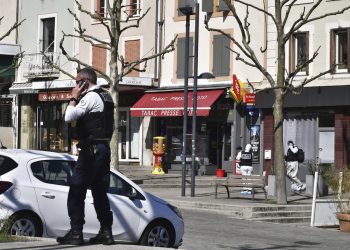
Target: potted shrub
{"x": 322, "y": 186}
{"x": 339, "y": 182}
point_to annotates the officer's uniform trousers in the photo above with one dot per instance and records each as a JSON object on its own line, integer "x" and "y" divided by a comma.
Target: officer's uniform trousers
{"x": 91, "y": 171}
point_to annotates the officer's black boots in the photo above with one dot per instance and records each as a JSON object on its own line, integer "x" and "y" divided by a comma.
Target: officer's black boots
{"x": 73, "y": 237}
{"x": 104, "y": 237}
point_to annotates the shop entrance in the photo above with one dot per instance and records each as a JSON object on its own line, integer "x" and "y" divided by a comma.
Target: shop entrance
{"x": 51, "y": 132}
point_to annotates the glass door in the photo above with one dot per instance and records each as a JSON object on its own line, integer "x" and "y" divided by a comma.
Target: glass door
{"x": 129, "y": 137}
{"x": 227, "y": 148}
{"x": 51, "y": 130}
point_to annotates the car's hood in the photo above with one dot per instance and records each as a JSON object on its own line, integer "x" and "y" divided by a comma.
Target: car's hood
{"x": 156, "y": 198}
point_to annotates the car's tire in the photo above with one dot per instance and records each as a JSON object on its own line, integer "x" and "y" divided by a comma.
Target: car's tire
{"x": 158, "y": 234}
{"x": 24, "y": 224}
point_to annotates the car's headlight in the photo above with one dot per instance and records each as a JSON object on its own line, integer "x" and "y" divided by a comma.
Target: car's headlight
{"x": 175, "y": 210}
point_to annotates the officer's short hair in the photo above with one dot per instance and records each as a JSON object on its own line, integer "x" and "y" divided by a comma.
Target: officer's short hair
{"x": 88, "y": 73}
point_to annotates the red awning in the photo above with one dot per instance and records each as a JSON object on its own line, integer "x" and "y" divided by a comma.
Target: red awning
{"x": 172, "y": 103}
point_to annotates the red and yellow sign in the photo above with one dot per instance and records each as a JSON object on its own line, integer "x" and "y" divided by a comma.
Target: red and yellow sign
{"x": 249, "y": 98}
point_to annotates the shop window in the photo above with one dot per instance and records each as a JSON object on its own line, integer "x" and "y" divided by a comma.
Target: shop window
{"x": 99, "y": 58}
{"x": 326, "y": 120}
{"x": 340, "y": 47}
{"x": 100, "y": 8}
{"x": 132, "y": 54}
{"x": 47, "y": 34}
{"x": 221, "y": 55}
{"x": 5, "y": 113}
{"x": 134, "y": 8}
{"x": 180, "y": 71}
{"x": 299, "y": 51}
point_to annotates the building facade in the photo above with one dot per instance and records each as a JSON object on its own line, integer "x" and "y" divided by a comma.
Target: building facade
{"x": 8, "y": 50}
{"x": 317, "y": 119}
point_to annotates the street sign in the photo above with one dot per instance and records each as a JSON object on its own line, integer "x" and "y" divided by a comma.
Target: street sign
{"x": 249, "y": 98}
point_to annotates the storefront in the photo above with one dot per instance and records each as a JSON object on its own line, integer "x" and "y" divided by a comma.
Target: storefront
{"x": 221, "y": 126}
{"x": 317, "y": 120}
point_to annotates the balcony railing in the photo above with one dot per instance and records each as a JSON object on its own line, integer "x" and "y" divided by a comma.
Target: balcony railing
{"x": 38, "y": 66}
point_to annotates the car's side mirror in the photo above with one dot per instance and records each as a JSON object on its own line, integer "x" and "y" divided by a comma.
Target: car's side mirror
{"x": 132, "y": 193}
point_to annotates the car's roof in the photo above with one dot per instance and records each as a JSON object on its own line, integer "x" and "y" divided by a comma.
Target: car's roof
{"x": 27, "y": 154}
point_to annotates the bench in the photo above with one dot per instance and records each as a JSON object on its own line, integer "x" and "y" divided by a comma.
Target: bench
{"x": 251, "y": 181}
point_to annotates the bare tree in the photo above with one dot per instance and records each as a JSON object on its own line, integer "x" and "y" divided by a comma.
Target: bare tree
{"x": 115, "y": 25}
{"x": 284, "y": 82}
{"x": 17, "y": 58}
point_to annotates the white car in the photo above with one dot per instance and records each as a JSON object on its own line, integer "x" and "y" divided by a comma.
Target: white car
{"x": 33, "y": 199}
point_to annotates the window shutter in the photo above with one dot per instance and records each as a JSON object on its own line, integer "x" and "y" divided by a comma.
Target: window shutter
{"x": 348, "y": 50}
{"x": 221, "y": 57}
{"x": 225, "y": 56}
{"x": 222, "y": 6}
{"x": 181, "y": 3}
{"x": 180, "y": 57}
{"x": 307, "y": 51}
{"x": 207, "y": 6}
{"x": 292, "y": 53}
{"x": 332, "y": 51}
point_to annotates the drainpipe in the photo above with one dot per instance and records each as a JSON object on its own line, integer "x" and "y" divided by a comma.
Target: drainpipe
{"x": 156, "y": 41}
{"x": 17, "y": 16}
{"x": 161, "y": 22}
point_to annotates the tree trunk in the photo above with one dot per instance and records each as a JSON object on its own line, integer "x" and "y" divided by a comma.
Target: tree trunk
{"x": 278, "y": 155}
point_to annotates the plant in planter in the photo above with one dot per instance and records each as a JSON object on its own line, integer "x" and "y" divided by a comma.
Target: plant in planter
{"x": 322, "y": 186}
{"x": 339, "y": 182}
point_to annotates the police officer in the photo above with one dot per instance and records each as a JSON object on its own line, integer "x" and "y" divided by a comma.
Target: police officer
{"x": 246, "y": 159}
{"x": 92, "y": 109}
{"x": 293, "y": 166}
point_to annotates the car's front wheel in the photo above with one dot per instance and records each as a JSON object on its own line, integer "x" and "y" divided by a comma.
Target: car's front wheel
{"x": 25, "y": 225}
{"x": 158, "y": 234}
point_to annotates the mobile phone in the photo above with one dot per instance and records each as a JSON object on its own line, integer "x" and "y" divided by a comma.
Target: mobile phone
{"x": 85, "y": 85}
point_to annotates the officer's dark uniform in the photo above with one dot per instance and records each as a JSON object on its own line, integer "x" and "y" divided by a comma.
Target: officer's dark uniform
{"x": 94, "y": 131}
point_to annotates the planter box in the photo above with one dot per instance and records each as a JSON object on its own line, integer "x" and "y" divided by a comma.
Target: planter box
{"x": 322, "y": 188}
{"x": 271, "y": 182}
{"x": 344, "y": 222}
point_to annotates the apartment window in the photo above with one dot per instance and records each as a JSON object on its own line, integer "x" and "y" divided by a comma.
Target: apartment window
{"x": 135, "y": 8}
{"x": 5, "y": 113}
{"x": 99, "y": 58}
{"x": 47, "y": 35}
{"x": 132, "y": 54}
{"x": 340, "y": 47}
{"x": 101, "y": 8}
{"x": 221, "y": 55}
{"x": 181, "y": 42}
{"x": 299, "y": 51}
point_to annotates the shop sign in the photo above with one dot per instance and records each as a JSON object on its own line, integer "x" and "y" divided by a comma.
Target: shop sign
{"x": 255, "y": 142}
{"x": 249, "y": 98}
{"x": 137, "y": 81}
{"x": 55, "y": 96}
{"x": 236, "y": 89}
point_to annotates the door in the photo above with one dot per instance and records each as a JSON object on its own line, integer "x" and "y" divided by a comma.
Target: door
{"x": 126, "y": 212}
{"x": 129, "y": 137}
{"x": 51, "y": 130}
{"x": 326, "y": 146}
{"x": 227, "y": 149}
{"x": 50, "y": 181}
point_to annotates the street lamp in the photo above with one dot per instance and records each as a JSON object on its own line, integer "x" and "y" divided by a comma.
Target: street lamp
{"x": 187, "y": 10}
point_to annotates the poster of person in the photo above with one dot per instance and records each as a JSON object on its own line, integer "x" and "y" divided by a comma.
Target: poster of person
{"x": 255, "y": 142}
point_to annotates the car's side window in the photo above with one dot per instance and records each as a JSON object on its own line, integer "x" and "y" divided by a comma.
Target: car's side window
{"x": 118, "y": 186}
{"x": 6, "y": 164}
{"x": 53, "y": 171}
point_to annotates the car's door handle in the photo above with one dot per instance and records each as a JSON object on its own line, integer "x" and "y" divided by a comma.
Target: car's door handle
{"x": 48, "y": 195}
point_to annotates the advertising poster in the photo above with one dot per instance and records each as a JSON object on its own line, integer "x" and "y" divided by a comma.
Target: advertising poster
{"x": 255, "y": 141}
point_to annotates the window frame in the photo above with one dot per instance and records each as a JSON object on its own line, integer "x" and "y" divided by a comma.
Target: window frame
{"x": 98, "y": 8}
{"x": 334, "y": 50}
{"x": 132, "y": 9}
{"x": 40, "y": 31}
{"x": 293, "y": 53}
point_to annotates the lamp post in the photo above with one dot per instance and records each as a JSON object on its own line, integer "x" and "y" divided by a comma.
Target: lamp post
{"x": 187, "y": 11}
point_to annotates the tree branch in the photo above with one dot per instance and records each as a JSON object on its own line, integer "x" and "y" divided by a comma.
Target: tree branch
{"x": 137, "y": 24}
{"x": 254, "y": 7}
{"x": 14, "y": 26}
